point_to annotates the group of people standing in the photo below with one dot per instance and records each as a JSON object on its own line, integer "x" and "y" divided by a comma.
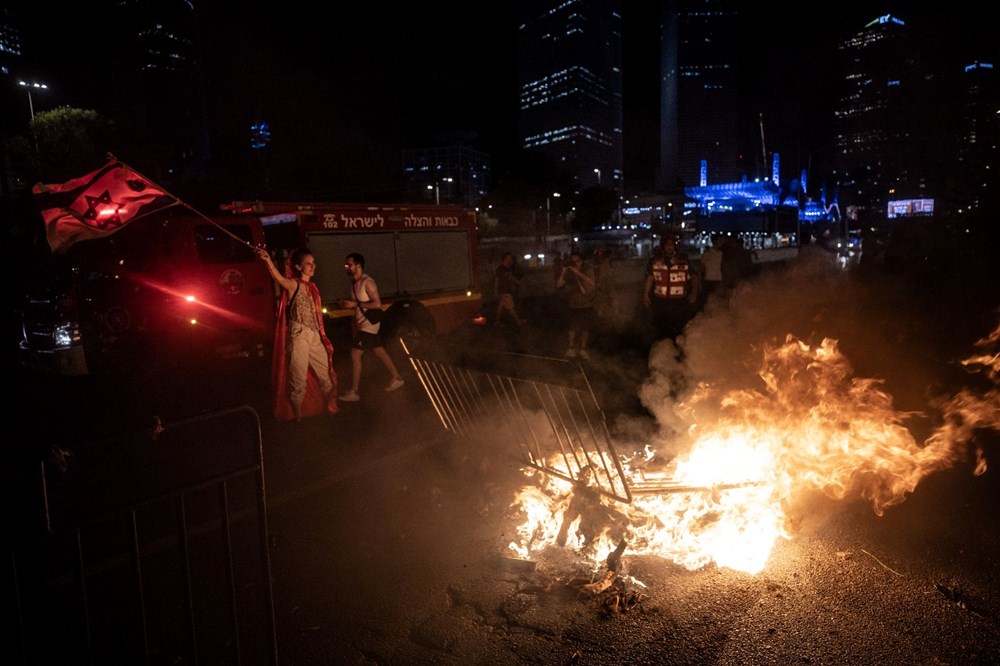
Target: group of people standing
{"x": 588, "y": 288}
{"x": 302, "y": 374}
{"x": 674, "y": 288}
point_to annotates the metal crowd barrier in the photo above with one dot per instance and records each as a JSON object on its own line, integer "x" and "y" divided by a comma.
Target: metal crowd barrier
{"x": 148, "y": 548}
{"x": 546, "y": 405}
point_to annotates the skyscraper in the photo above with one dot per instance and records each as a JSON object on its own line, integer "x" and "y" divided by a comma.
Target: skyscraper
{"x": 10, "y": 41}
{"x": 570, "y": 86}
{"x": 162, "y": 101}
{"x": 881, "y": 82}
{"x": 11, "y": 114}
{"x": 699, "y": 97}
{"x": 979, "y": 133}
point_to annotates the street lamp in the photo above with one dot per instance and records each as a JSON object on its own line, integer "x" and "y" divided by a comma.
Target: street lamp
{"x": 28, "y": 87}
{"x": 598, "y": 172}
{"x": 548, "y": 206}
{"x": 31, "y": 106}
{"x": 437, "y": 190}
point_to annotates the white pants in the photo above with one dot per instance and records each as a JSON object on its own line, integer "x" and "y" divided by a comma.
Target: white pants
{"x": 306, "y": 350}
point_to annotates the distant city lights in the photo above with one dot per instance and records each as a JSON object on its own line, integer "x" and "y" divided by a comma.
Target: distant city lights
{"x": 260, "y": 135}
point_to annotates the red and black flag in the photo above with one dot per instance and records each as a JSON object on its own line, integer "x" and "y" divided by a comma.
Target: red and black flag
{"x": 97, "y": 205}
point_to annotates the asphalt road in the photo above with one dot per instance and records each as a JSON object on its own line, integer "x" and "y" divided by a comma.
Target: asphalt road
{"x": 388, "y": 534}
{"x": 396, "y": 555}
{"x": 394, "y": 560}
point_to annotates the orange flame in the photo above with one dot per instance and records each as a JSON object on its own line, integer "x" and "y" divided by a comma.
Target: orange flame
{"x": 812, "y": 427}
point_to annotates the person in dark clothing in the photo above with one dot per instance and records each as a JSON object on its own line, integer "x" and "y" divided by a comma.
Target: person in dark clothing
{"x": 578, "y": 282}
{"x": 737, "y": 262}
{"x": 505, "y": 286}
{"x": 670, "y": 289}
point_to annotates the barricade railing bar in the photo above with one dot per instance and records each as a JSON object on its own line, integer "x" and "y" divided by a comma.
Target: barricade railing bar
{"x": 545, "y": 405}
{"x": 152, "y": 547}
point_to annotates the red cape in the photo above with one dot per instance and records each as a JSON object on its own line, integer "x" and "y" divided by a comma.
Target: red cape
{"x": 312, "y": 404}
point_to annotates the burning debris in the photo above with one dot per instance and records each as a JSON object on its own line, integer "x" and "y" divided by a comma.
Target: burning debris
{"x": 744, "y": 457}
{"x": 742, "y": 443}
{"x": 588, "y": 517}
{"x": 556, "y": 575}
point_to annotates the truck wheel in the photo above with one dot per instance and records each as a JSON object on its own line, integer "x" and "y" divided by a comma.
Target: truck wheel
{"x": 410, "y": 321}
{"x": 117, "y": 319}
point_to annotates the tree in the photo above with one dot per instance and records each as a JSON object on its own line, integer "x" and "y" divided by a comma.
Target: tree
{"x": 62, "y": 144}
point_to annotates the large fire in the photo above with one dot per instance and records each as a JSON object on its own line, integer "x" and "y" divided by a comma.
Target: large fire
{"x": 749, "y": 455}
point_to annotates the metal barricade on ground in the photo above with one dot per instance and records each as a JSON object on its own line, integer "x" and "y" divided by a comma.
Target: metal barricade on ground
{"x": 545, "y": 405}
{"x": 548, "y": 407}
{"x": 150, "y": 547}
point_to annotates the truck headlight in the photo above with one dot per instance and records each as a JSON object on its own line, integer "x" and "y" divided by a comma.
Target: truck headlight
{"x": 66, "y": 335}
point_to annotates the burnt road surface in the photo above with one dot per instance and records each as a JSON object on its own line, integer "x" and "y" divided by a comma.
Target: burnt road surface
{"x": 388, "y": 535}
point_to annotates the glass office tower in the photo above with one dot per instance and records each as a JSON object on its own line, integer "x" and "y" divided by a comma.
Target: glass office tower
{"x": 699, "y": 96}
{"x": 570, "y": 83}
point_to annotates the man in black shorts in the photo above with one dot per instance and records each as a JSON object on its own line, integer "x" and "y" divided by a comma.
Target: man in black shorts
{"x": 365, "y": 326}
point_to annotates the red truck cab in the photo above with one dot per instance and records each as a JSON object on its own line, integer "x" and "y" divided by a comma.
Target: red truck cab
{"x": 173, "y": 286}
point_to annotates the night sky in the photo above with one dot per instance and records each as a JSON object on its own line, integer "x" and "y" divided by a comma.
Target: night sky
{"x": 380, "y": 80}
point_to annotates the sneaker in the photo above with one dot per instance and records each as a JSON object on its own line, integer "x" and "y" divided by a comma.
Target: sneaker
{"x": 583, "y": 353}
{"x": 394, "y": 384}
{"x": 350, "y": 396}
{"x": 570, "y": 353}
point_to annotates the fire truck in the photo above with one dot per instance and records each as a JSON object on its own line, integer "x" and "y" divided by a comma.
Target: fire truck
{"x": 183, "y": 287}
{"x": 424, "y": 259}
{"x": 174, "y": 286}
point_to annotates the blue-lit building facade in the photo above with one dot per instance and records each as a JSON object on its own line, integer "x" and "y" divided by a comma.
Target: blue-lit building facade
{"x": 916, "y": 136}
{"x": 763, "y": 212}
{"x": 570, "y": 88}
{"x": 702, "y": 176}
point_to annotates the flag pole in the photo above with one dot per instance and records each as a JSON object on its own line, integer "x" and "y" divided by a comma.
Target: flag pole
{"x": 186, "y": 205}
